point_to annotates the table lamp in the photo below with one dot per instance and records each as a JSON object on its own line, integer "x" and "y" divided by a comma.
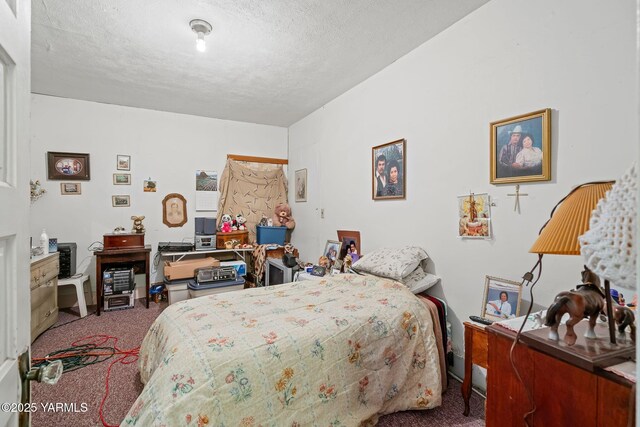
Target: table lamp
{"x": 569, "y": 220}
{"x": 559, "y": 236}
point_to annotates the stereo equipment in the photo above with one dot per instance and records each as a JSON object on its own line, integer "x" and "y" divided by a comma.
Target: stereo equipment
{"x": 175, "y": 247}
{"x": 208, "y": 275}
{"x": 116, "y": 281}
{"x": 118, "y": 302}
{"x": 205, "y": 226}
{"x": 67, "y": 259}
{"x": 122, "y": 241}
{"x": 205, "y": 243}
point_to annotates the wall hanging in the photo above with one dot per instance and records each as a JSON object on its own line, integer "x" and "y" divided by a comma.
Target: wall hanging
{"x": 388, "y": 178}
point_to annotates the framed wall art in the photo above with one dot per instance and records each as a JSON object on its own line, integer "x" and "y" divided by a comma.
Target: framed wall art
{"x": 502, "y": 299}
{"x": 520, "y": 148}
{"x": 70, "y": 188}
{"x": 388, "y": 179}
{"x": 123, "y": 163}
{"x": 122, "y": 179}
{"x": 174, "y": 210}
{"x": 301, "y": 185}
{"x": 121, "y": 201}
{"x": 68, "y": 166}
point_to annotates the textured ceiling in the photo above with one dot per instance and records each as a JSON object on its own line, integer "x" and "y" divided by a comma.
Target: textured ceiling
{"x": 267, "y": 61}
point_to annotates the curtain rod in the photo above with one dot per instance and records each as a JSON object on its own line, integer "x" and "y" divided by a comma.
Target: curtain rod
{"x": 257, "y": 159}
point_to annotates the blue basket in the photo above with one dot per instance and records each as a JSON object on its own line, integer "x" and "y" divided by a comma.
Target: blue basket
{"x": 270, "y": 235}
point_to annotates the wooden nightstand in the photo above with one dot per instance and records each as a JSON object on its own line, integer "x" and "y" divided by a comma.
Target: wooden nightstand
{"x": 475, "y": 352}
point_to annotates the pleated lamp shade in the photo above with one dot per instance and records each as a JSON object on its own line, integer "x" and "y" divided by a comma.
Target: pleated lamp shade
{"x": 571, "y": 220}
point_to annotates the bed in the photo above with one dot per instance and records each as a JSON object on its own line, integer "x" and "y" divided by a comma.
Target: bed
{"x": 340, "y": 351}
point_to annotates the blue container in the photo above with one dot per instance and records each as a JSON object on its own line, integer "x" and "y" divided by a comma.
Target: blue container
{"x": 270, "y": 235}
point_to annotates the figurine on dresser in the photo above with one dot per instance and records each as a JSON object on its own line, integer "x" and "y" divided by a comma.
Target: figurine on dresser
{"x": 586, "y": 301}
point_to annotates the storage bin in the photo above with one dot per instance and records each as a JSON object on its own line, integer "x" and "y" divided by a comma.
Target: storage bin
{"x": 196, "y": 290}
{"x": 270, "y": 235}
{"x": 177, "y": 290}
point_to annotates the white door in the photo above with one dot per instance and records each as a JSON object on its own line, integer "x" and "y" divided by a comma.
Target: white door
{"x": 15, "y": 75}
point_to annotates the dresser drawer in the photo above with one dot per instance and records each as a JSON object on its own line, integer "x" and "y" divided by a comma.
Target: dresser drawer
{"x": 46, "y": 292}
{"x": 43, "y": 273}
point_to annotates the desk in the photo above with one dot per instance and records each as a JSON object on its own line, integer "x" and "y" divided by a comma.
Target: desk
{"x": 134, "y": 257}
{"x": 475, "y": 353}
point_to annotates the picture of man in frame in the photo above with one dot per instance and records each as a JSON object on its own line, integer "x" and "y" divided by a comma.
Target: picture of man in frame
{"x": 519, "y": 149}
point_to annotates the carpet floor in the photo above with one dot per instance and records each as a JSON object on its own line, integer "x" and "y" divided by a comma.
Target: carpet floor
{"x": 87, "y": 385}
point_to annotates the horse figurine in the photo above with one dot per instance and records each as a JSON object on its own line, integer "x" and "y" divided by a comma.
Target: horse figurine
{"x": 624, "y": 317}
{"x": 586, "y": 301}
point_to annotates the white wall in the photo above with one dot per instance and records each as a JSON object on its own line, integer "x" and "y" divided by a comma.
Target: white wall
{"x": 165, "y": 147}
{"x": 507, "y": 58}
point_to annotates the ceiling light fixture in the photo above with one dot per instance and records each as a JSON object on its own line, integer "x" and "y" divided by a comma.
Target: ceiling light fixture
{"x": 201, "y": 28}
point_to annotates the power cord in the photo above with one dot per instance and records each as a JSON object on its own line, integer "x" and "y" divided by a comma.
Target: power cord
{"x": 90, "y": 351}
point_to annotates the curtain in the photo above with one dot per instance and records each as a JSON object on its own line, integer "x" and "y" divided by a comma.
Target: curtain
{"x": 252, "y": 190}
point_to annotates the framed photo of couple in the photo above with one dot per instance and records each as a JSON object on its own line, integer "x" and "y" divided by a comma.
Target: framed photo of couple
{"x": 502, "y": 299}
{"x": 521, "y": 148}
{"x": 388, "y": 179}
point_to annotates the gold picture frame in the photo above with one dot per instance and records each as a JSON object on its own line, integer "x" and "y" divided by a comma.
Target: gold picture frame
{"x": 494, "y": 306}
{"x": 520, "y": 148}
{"x": 389, "y": 160}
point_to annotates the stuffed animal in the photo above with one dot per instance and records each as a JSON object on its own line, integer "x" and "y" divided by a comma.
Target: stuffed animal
{"x": 240, "y": 221}
{"x": 282, "y": 216}
{"x": 138, "y": 227}
{"x": 225, "y": 225}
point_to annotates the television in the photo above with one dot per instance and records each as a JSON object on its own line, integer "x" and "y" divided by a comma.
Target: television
{"x": 276, "y": 273}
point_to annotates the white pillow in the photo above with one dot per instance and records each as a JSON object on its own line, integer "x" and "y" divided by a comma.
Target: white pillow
{"x": 394, "y": 263}
{"x": 419, "y": 281}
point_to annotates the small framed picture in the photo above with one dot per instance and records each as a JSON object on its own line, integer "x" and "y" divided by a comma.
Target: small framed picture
{"x": 174, "y": 210}
{"x": 502, "y": 299}
{"x": 70, "y": 188}
{"x": 121, "y": 201}
{"x": 68, "y": 166}
{"x": 149, "y": 186}
{"x": 521, "y": 148}
{"x": 301, "y": 185}
{"x": 474, "y": 216}
{"x": 350, "y": 244}
{"x": 122, "y": 179}
{"x": 388, "y": 179}
{"x": 332, "y": 250}
{"x": 123, "y": 162}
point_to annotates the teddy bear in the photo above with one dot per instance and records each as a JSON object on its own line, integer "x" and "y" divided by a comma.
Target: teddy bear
{"x": 282, "y": 216}
{"x": 138, "y": 227}
{"x": 240, "y": 221}
{"x": 225, "y": 225}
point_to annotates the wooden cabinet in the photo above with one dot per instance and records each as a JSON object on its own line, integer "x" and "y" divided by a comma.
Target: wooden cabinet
{"x": 232, "y": 238}
{"x": 563, "y": 393}
{"x": 44, "y": 293}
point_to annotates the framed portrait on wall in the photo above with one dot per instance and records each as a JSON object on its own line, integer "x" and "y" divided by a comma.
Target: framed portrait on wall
{"x": 388, "y": 179}
{"x": 521, "y": 148}
{"x": 301, "y": 185}
{"x": 174, "y": 210}
{"x": 502, "y": 299}
{"x": 68, "y": 166}
{"x": 121, "y": 179}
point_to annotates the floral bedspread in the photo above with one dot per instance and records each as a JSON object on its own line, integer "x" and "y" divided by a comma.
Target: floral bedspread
{"x": 336, "y": 352}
